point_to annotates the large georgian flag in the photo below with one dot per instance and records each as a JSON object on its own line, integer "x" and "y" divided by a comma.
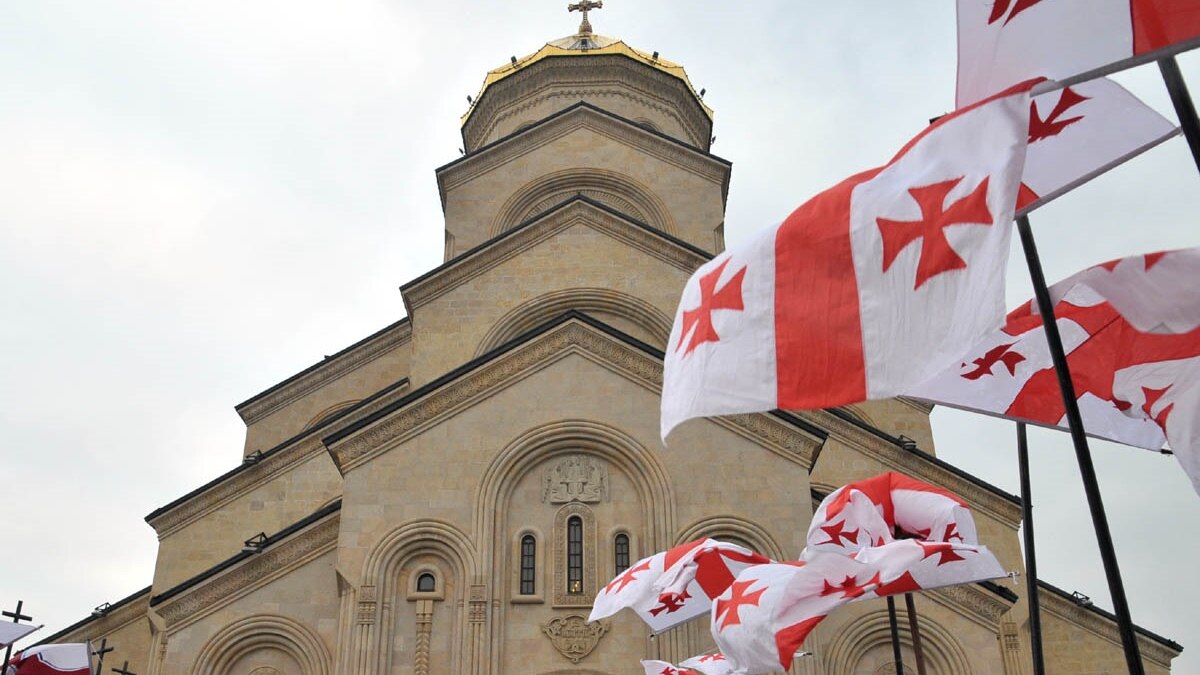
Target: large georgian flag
{"x": 675, "y": 586}
{"x": 867, "y": 289}
{"x": 64, "y": 659}
{"x": 762, "y": 620}
{"x": 1079, "y": 132}
{"x": 1131, "y": 330}
{"x": 1002, "y": 42}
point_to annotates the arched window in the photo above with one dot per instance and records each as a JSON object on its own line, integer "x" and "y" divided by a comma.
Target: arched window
{"x": 528, "y": 565}
{"x": 426, "y": 583}
{"x": 620, "y": 553}
{"x": 575, "y": 555}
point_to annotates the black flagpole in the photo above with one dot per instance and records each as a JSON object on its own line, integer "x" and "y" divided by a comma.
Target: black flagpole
{"x": 1182, "y": 100}
{"x": 1087, "y": 471}
{"x": 911, "y": 605}
{"x": 891, "y": 602}
{"x": 1035, "y": 609}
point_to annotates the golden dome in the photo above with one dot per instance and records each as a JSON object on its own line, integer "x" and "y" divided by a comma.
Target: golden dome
{"x": 586, "y": 44}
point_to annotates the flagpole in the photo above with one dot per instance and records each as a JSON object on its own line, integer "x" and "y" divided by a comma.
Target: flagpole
{"x": 1035, "y": 608}
{"x": 891, "y": 603}
{"x": 1087, "y": 469}
{"x": 1182, "y": 100}
{"x": 911, "y": 605}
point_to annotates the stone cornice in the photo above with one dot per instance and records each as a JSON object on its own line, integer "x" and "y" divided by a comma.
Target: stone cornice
{"x": 571, "y": 336}
{"x": 514, "y": 93}
{"x": 276, "y": 462}
{"x": 254, "y": 572}
{"x": 1103, "y": 627}
{"x": 896, "y": 458}
{"x": 95, "y": 627}
{"x": 576, "y": 212}
{"x": 321, "y": 374}
{"x": 973, "y": 602}
{"x": 583, "y": 116}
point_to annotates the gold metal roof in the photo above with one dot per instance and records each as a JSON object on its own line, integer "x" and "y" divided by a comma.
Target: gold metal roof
{"x": 586, "y": 44}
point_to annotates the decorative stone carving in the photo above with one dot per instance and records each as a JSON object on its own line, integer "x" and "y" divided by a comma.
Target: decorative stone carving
{"x": 478, "y": 606}
{"x": 573, "y": 636}
{"x": 577, "y": 478}
{"x": 265, "y": 670}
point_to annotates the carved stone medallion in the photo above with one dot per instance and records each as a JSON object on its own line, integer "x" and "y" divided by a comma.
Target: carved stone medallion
{"x": 573, "y": 636}
{"x": 576, "y": 478}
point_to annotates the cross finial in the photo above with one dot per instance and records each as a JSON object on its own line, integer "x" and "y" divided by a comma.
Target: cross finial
{"x": 585, "y": 26}
{"x": 124, "y": 670}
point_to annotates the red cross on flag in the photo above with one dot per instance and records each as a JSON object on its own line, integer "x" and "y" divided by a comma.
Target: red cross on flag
{"x": 675, "y": 586}
{"x": 64, "y": 659}
{"x": 1079, "y": 132}
{"x": 1002, "y": 42}
{"x": 867, "y": 289}
{"x": 762, "y": 620}
{"x": 1131, "y": 330}
{"x": 866, "y": 513}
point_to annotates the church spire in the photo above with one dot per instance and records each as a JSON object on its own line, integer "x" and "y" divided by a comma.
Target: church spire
{"x": 585, "y": 26}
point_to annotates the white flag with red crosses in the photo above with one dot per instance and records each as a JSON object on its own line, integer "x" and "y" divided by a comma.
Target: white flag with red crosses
{"x": 1131, "y": 331}
{"x": 705, "y": 664}
{"x": 675, "y": 586}
{"x": 866, "y": 290}
{"x": 1002, "y": 42}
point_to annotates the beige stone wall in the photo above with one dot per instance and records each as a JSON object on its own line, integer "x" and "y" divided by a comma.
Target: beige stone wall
{"x": 288, "y": 623}
{"x": 327, "y": 394}
{"x": 216, "y": 530}
{"x": 578, "y": 260}
{"x": 675, "y": 189}
{"x": 127, "y": 631}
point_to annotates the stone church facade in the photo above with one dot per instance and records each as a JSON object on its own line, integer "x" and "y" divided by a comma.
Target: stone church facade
{"x": 447, "y": 495}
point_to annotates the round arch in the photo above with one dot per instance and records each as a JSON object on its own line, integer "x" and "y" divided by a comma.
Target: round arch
{"x": 532, "y": 313}
{"x": 607, "y": 187}
{"x": 263, "y": 632}
{"x": 725, "y": 527}
{"x": 943, "y": 653}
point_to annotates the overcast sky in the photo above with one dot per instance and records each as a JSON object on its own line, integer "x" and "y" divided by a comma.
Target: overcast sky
{"x": 201, "y": 198}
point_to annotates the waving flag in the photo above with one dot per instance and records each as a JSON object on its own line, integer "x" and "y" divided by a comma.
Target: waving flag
{"x": 11, "y": 632}
{"x": 1131, "y": 330}
{"x": 1079, "y": 132}
{"x": 65, "y": 659}
{"x": 1002, "y": 42}
{"x": 762, "y": 620}
{"x": 867, "y": 289}
{"x": 705, "y": 664}
{"x": 867, "y": 513}
{"x": 675, "y": 586}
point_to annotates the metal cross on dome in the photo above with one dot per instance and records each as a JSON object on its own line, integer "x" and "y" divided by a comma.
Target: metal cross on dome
{"x": 585, "y": 26}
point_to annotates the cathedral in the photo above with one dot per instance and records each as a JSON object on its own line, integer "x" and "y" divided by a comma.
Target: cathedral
{"x": 448, "y": 494}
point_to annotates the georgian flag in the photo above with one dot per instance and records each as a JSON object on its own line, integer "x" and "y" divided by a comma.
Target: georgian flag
{"x": 64, "y": 659}
{"x": 705, "y": 664}
{"x": 1131, "y": 331}
{"x": 11, "y": 632}
{"x": 675, "y": 586}
{"x": 866, "y": 513}
{"x": 762, "y": 620}
{"x": 1002, "y": 42}
{"x": 1079, "y": 132}
{"x": 867, "y": 289}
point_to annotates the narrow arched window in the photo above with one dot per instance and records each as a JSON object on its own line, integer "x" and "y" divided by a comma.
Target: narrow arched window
{"x": 575, "y": 555}
{"x": 426, "y": 583}
{"x": 621, "y": 553}
{"x": 528, "y": 564}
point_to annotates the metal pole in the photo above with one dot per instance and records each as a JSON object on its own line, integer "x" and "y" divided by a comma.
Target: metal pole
{"x": 1031, "y": 586}
{"x": 1182, "y": 100}
{"x": 916, "y": 632}
{"x": 1087, "y": 471}
{"x": 891, "y": 602}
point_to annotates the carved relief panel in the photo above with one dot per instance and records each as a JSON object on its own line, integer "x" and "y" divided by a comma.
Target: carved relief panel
{"x": 575, "y": 478}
